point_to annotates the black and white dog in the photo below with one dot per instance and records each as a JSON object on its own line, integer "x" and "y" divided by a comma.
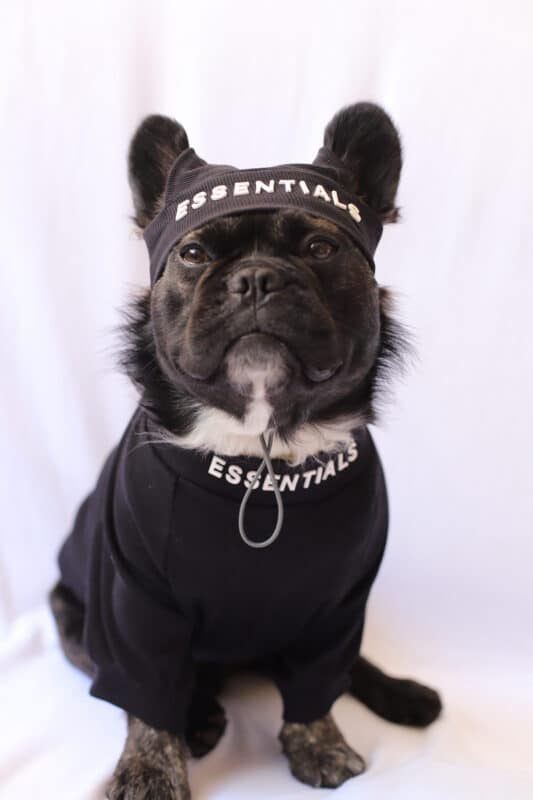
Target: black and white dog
{"x": 263, "y": 316}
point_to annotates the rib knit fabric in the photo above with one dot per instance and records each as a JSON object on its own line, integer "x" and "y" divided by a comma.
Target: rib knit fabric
{"x": 167, "y": 583}
{"x": 197, "y": 192}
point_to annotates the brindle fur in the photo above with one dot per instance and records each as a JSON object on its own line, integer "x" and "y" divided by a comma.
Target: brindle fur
{"x": 68, "y": 613}
{"x": 153, "y": 766}
{"x": 318, "y": 754}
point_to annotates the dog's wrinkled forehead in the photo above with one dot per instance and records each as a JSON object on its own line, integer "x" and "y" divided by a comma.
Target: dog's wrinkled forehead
{"x": 197, "y": 192}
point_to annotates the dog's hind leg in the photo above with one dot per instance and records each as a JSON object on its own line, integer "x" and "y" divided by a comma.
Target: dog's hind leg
{"x": 206, "y": 719}
{"x": 399, "y": 700}
{"x": 68, "y": 613}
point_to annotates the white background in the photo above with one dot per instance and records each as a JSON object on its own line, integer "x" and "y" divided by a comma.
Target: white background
{"x": 255, "y": 84}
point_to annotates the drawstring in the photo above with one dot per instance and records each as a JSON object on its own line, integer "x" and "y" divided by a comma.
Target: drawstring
{"x": 279, "y": 522}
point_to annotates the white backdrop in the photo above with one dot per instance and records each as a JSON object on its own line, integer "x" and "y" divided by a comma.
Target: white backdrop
{"x": 255, "y": 84}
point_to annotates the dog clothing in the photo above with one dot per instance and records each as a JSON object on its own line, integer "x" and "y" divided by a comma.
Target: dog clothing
{"x": 167, "y": 583}
{"x": 197, "y": 192}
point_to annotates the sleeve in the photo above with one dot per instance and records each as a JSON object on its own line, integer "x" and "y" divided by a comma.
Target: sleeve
{"x": 314, "y": 671}
{"x": 134, "y": 632}
{"x": 140, "y": 645}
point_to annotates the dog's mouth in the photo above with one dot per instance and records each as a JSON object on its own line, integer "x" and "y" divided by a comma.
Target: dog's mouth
{"x": 256, "y": 355}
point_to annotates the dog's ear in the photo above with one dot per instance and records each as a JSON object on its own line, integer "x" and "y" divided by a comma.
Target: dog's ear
{"x": 156, "y": 144}
{"x": 364, "y": 137}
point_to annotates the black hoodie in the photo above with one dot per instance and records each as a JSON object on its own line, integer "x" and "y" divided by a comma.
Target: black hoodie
{"x": 156, "y": 558}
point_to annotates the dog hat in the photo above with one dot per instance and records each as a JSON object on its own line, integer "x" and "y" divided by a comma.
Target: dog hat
{"x": 197, "y": 192}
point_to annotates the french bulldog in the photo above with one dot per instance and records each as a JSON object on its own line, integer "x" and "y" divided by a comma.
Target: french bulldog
{"x": 263, "y": 315}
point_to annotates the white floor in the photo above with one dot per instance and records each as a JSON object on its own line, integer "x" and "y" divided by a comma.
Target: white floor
{"x": 58, "y": 742}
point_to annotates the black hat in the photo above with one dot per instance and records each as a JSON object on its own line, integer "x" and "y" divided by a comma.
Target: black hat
{"x": 197, "y": 192}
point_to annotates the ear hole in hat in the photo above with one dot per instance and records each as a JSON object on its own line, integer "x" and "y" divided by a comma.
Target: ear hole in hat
{"x": 365, "y": 139}
{"x": 156, "y": 144}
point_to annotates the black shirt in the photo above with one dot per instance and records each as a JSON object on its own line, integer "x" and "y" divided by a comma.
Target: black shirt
{"x": 156, "y": 558}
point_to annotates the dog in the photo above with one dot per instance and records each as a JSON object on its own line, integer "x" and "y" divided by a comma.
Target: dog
{"x": 263, "y": 319}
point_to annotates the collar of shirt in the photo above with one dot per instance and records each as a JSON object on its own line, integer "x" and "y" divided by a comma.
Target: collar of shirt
{"x": 317, "y": 477}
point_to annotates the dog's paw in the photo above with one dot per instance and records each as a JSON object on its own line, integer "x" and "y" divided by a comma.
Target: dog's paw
{"x": 206, "y": 723}
{"x": 140, "y": 779}
{"x": 318, "y": 754}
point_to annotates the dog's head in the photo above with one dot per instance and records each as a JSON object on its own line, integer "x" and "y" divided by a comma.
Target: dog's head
{"x": 265, "y": 318}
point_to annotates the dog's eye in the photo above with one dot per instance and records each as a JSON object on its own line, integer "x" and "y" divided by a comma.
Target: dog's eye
{"x": 321, "y": 249}
{"x": 194, "y": 254}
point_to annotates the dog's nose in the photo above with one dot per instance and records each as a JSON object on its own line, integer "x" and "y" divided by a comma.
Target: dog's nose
{"x": 256, "y": 282}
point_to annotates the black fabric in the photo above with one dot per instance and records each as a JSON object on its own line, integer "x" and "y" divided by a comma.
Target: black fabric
{"x": 321, "y": 188}
{"x": 167, "y": 583}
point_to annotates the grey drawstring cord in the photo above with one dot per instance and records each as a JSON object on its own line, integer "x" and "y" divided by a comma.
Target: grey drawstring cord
{"x": 279, "y": 522}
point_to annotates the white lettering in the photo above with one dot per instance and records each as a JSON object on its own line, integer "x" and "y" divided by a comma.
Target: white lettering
{"x": 182, "y": 209}
{"x": 329, "y": 471}
{"x": 290, "y": 482}
{"x": 354, "y": 212}
{"x": 264, "y": 187}
{"x": 267, "y": 484}
{"x": 216, "y": 466}
{"x": 307, "y": 477}
{"x": 199, "y": 199}
{"x": 241, "y": 187}
{"x": 234, "y": 474}
{"x": 288, "y": 184}
{"x": 341, "y": 463}
{"x": 336, "y": 201}
{"x": 219, "y": 192}
{"x": 352, "y": 452}
{"x": 250, "y": 477}
{"x": 321, "y": 192}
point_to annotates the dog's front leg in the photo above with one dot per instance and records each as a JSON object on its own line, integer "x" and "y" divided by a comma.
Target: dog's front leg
{"x": 318, "y": 753}
{"x": 311, "y": 674}
{"x": 152, "y": 765}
